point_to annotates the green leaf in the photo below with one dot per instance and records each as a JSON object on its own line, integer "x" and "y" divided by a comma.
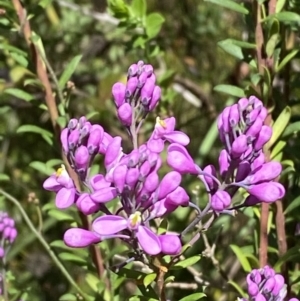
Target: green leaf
{"x": 65, "y": 256}
{"x": 68, "y": 297}
{"x": 280, "y": 124}
{"x": 294, "y": 204}
{"x": 163, "y": 227}
{"x": 60, "y": 215}
{"x": 42, "y": 168}
{"x": 4, "y": 177}
{"x": 92, "y": 281}
{"x": 186, "y": 262}
{"x": 291, "y": 129}
{"x": 290, "y": 255}
{"x": 237, "y": 287}
{"x": 154, "y": 23}
{"x": 280, "y": 145}
{"x": 231, "y": 5}
{"x": 231, "y": 90}
{"x": 19, "y": 59}
{"x": 241, "y": 257}
{"x": 193, "y": 297}
{"x": 289, "y": 57}
{"x": 280, "y": 5}
{"x": 285, "y": 17}
{"x": 231, "y": 48}
{"x": 91, "y": 115}
{"x": 118, "y": 8}
{"x": 33, "y": 129}
{"x": 139, "y": 8}
{"x": 70, "y": 69}
{"x": 19, "y": 94}
{"x": 271, "y": 44}
{"x": 149, "y": 279}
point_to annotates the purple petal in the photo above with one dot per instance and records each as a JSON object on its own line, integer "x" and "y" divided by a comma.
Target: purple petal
{"x": 177, "y": 137}
{"x": 220, "y": 200}
{"x": 118, "y": 92}
{"x": 148, "y": 240}
{"x": 109, "y": 224}
{"x": 65, "y": 197}
{"x": 155, "y": 98}
{"x": 86, "y": 205}
{"x": 210, "y": 169}
{"x": 104, "y": 195}
{"x": 119, "y": 176}
{"x": 95, "y": 138}
{"x": 82, "y": 157}
{"x": 98, "y": 182}
{"x": 223, "y": 162}
{"x": 168, "y": 183}
{"x": 178, "y": 197}
{"x": 155, "y": 145}
{"x": 125, "y": 114}
{"x": 255, "y": 128}
{"x": 267, "y": 192}
{"x": 80, "y": 238}
{"x": 266, "y": 172}
{"x": 64, "y": 140}
{"x": 243, "y": 171}
{"x": 161, "y": 208}
{"x": 170, "y": 244}
{"x": 51, "y": 184}
{"x": 239, "y": 146}
{"x": 113, "y": 151}
{"x": 180, "y": 160}
{"x": 264, "y": 136}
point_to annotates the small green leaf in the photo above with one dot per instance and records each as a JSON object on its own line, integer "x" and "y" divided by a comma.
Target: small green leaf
{"x": 154, "y": 23}
{"x": 60, "y": 215}
{"x": 33, "y": 129}
{"x": 70, "y": 69}
{"x": 231, "y": 90}
{"x": 241, "y": 258}
{"x": 61, "y": 121}
{"x": 65, "y": 256}
{"x": 42, "y": 167}
{"x": 280, "y": 5}
{"x": 68, "y": 297}
{"x": 289, "y": 57}
{"x": 19, "y": 94}
{"x": 149, "y": 279}
{"x": 285, "y": 17}
{"x": 193, "y": 297}
{"x": 280, "y": 124}
{"x": 4, "y": 177}
{"x": 290, "y": 255}
{"x": 271, "y": 44}
{"x": 118, "y": 8}
{"x": 92, "y": 281}
{"x": 231, "y": 5}
{"x": 237, "y": 287}
{"x": 280, "y": 145}
{"x": 294, "y": 204}
{"x": 231, "y": 48}
{"x": 291, "y": 129}
{"x": 19, "y": 59}
{"x": 139, "y": 8}
{"x": 186, "y": 262}
{"x": 91, "y": 115}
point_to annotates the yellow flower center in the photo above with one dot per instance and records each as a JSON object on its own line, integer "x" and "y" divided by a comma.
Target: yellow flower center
{"x": 160, "y": 122}
{"x": 60, "y": 171}
{"x": 135, "y": 218}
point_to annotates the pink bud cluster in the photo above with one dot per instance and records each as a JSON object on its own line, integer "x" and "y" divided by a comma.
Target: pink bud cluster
{"x": 140, "y": 94}
{"x": 265, "y": 285}
{"x": 8, "y": 233}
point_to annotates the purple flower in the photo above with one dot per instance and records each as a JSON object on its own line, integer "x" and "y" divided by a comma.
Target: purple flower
{"x": 112, "y": 224}
{"x": 118, "y": 92}
{"x": 220, "y": 200}
{"x": 125, "y": 114}
{"x": 267, "y": 192}
{"x": 61, "y": 183}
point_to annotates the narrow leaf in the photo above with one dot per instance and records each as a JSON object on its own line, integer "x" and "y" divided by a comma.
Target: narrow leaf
{"x": 231, "y": 90}
{"x": 231, "y": 5}
{"x": 149, "y": 279}
{"x": 289, "y": 57}
{"x": 19, "y": 94}
{"x": 70, "y": 69}
{"x": 293, "y": 205}
{"x": 34, "y": 129}
{"x": 193, "y": 297}
{"x": 241, "y": 258}
{"x": 186, "y": 262}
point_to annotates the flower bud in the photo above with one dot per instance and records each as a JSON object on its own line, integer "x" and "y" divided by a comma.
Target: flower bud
{"x": 132, "y": 177}
{"x": 95, "y": 138}
{"x": 80, "y": 238}
{"x": 264, "y": 136}
{"x": 98, "y": 182}
{"x": 147, "y": 91}
{"x": 155, "y": 98}
{"x": 73, "y": 139}
{"x": 255, "y": 128}
{"x": 220, "y": 200}
{"x": 211, "y": 170}
{"x": 243, "y": 103}
{"x": 125, "y": 114}
{"x": 82, "y": 157}
{"x": 178, "y": 197}
{"x": 72, "y": 124}
{"x": 142, "y": 79}
{"x": 223, "y": 162}
{"x": 225, "y": 119}
{"x": 119, "y": 176}
{"x": 266, "y": 172}
{"x": 239, "y": 146}
{"x": 113, "y": 151}
{"x": 180, "y": 160}
{"x": 131, "y": 86}
{"x": 152, "y": 181}
{"x": 148, "y": 69}
{"x": 118, "y": 92}
{"x": 267, "y": 192}
{"x": 243, "y": 171}
{"x": 234, "y": 115}
{"x": 104, "y": 195}
{"x": 64, "y": 140}
{"x": 133, "y": 70}
{"x": 144, "y": 170}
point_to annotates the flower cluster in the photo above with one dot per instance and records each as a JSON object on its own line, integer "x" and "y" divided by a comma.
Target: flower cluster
{"x": 134, "y": 178}
{"x": 8, "y": 233}
{"x": 265, "y": 285}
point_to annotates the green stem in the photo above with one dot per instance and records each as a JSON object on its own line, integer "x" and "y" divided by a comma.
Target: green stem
{"x": 4, "y": 284}
{"x": 45, "y": 244}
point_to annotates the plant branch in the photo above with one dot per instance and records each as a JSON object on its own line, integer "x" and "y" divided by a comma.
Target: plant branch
{"x": 44, "y": 243}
